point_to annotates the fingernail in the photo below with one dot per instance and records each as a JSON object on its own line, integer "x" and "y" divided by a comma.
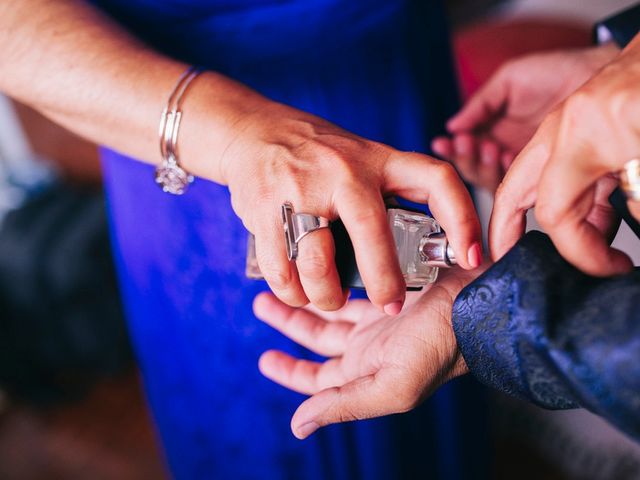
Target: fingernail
{"x": 307, "y": 429}
{"x": 474, "y": 256}
{"x": 393, "y": 308}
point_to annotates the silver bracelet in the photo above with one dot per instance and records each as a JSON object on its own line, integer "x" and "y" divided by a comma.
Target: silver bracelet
{"x": 169, "y": 174}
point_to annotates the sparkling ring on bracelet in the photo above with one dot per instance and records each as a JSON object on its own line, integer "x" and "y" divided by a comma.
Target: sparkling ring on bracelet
{"x": 297, "y": 226}
{"x": 169, "y": 174}
{"x": 630, "y": 179}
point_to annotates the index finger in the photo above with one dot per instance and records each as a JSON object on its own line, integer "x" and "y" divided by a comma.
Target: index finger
{"x": 567, "y": 189}
{"x": 365, "y": 397}
{"x": 518, "y": 192}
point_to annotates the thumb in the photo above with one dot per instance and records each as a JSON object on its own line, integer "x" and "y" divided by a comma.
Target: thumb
{"x": 518, "y": 192}
{"x": 365, "y": 397}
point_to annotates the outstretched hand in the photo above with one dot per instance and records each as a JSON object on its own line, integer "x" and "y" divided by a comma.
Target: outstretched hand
{"x": 378, "y": 364}
{"x": 499, "y": 120}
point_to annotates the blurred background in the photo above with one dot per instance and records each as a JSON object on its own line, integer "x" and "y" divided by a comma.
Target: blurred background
{"x": 71, "y": 405}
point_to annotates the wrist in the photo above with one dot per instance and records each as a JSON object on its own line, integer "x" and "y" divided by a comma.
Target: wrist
{"x": 213, "y": 110}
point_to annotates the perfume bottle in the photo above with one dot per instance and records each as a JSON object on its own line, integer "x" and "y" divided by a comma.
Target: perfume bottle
{"x": 421, "y": 247}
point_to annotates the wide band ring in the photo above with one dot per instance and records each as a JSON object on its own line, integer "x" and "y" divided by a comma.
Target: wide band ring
{"x": 297, "y": 226}
{"x": 630, "y": 179}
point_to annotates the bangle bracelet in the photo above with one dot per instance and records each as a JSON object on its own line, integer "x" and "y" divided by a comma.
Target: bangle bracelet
{"x": 169, "y": 174}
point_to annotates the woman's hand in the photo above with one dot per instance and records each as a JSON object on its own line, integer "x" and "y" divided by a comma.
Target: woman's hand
{"x": 575, "y": 154}
{"x": 281, "y": 154}
{"x": 378, "y": 365}
{"x": 267, "y": 153}
{"x": 498, "y": 121}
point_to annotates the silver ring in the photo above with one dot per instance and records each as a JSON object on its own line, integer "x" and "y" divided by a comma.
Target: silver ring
{"x": 630, "y": 179}
{"x": 297, "y": 226}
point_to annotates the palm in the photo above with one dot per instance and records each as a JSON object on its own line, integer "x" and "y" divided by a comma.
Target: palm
{"x": 532, "y": 94}
{"x": 500, "y": 119}
{"x": 378, "y": 364}
{"x": 412, "y": 345}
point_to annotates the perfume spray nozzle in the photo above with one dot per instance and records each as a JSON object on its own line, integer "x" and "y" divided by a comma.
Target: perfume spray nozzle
{"x": 436, "y": 251}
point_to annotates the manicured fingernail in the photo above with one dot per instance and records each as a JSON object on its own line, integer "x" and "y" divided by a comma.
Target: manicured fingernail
{"x": 474, "y": 256}
{"x": 393, "y": 308}
{"x": 307, "y": 429}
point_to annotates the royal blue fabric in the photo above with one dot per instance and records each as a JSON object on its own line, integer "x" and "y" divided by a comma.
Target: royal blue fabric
{"x": 377, "y": 67}
{"x": 535, "y": 327}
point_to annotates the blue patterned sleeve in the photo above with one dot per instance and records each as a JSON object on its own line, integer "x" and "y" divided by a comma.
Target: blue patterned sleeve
{"x": 536, "y": 328}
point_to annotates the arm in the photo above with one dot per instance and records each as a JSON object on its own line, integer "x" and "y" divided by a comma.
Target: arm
{"x": 531, "y": 326}
{"x": 534, "y": 327}
{"x": 71, "y": 62}
{"x": 74, "y": 64}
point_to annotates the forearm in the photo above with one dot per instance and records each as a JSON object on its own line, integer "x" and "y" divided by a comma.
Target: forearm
{"x": 537, "y": 328}
{"x": 72, "y": 63}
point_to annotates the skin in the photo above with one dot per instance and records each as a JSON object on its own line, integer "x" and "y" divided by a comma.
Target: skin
{"x": 377, "y": 365}
{"x": 380, "y": 365}
{"x": 561, "y": 124}
{"x": 499, "y": 120}
{"x": 577, "y": 151}
{"x": 267, "y": 153}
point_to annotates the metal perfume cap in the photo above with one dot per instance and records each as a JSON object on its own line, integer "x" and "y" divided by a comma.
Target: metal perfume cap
{"x": 436, "y": 251}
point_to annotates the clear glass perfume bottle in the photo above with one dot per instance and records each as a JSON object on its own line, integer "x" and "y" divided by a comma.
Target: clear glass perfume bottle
{"x": 421, "y": 246}
{"x": 410, "y": 230}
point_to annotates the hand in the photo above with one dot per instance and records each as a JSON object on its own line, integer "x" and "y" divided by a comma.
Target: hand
{"x": 518, "y": 193}
{"x": 267, "y": 153}
{"x": 575, "y": 152}
{"x": 498, "y": 121}
{"x": 379, "y": 365}
{"x": 282, "y": 154}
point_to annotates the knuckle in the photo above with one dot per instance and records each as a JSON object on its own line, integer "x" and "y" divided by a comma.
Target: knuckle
{"x": 547, "y": 216}
{"x": 277, "y": 277}
{"x": 579, "y": 106}
{"x": 468, "y": 223}
{"x": 386, "y": 288}
{"x": 313, "y": 263}
{"x": 344, "y": 411}
{"x": 444, "y": 173}
{"x": 503, "y": 194}
{"x": 349, "y": 174}
{"x": 366, "y": 217}
{"x": 623, "y": 107}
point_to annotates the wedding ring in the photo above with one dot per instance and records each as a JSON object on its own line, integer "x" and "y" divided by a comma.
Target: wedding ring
{"x": 630, "y": 179}
{"x": 297, "y": 226}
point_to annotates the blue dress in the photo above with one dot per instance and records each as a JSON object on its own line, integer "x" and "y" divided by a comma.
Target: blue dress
{"x": 379, "y": 68}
